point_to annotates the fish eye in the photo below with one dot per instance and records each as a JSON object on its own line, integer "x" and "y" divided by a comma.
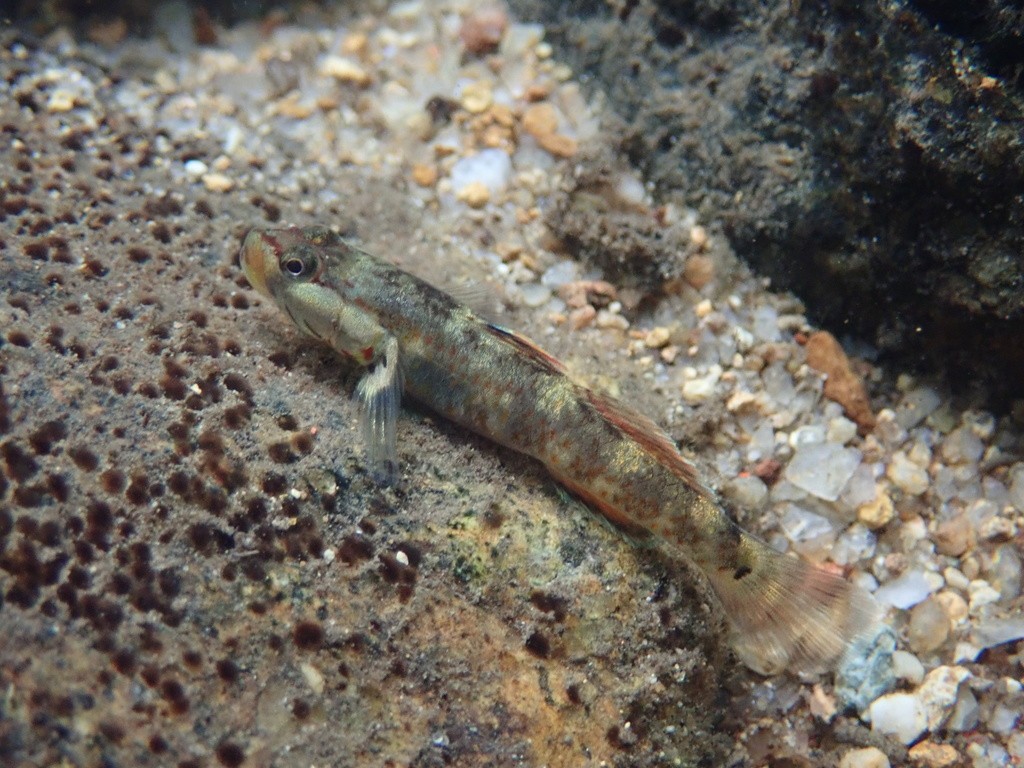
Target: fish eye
{"x": 298, "y": 265}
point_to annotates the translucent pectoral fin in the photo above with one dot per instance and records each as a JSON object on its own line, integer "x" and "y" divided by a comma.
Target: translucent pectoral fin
{"x": 380, "y": 393}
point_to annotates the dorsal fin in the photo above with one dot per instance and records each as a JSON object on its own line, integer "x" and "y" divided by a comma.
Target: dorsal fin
{"x": 649, "y": 435}
{"x": 527, "y": 348}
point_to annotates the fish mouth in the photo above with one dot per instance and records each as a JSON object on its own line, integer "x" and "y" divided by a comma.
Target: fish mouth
{"x": 256, "y": 253}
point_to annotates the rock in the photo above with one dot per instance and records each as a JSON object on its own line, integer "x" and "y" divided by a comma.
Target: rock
{"x": 962, "y": 446}
{"x": 906, "y": 475}
{"x": 845, "y": 387}
{"x": 955, "y": 536}
{"x": 657, "y": 337}
{"x": 865, "y": 671}
{"x": 345, "y": 70}
{"x": 806, "y": 529}
{"x": 490, "y": 167}
{"x": 869, "y": 757}
{"x": 483, "y": 28}
{"x": 878, "y": 512}
{"x": 854, "y": 544}
{"x": 698, "y": 271}
{"x": 476, "y": 97}
{"x": 916, "y": 406}
{"x": 540, "y": 120}
{"x": 938, "y": 693}
{"x": 899, "y": 715}
{"x": 928, "y": 628}
{"x": 933, "y": 755}
{"x": 992, "y": 631}
{"x": 822, "y": 469}
{"x": 906, "y": 591}
{"x": 906, "y": 666}
{"x": 748, "y": 491}
{"x": 964, "y": 716}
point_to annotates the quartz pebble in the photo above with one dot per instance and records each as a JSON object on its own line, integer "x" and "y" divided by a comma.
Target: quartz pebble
{"x": 906, "y": 475}
{"x": 929, "y": 626}
{"x": 938, "y": 693}
{"x": 906, "y": 591}
{"x": 899, "y": 715}
{"x": 822, "y": 469}
{"x": 868, "y": 757}
{"x": 906, "y": 666}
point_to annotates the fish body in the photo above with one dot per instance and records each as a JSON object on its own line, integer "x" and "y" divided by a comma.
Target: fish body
{"x": 415, "y": 338}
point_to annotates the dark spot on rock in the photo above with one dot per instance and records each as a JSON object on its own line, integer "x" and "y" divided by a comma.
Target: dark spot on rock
{"x": 308, "y": 635}
{"x": 539, "y": 645}
{"x": 230, "y": 754}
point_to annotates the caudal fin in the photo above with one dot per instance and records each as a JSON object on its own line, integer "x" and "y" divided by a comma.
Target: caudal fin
{"x": 787, "y": 613}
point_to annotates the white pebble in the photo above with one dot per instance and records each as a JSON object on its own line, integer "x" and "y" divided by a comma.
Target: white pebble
{"x": 823, "y": 469}
{"x": 982, "y": 593}
{"x": 907, "y": 476}
{"x": 938, "y": 693}
{"x": 535, "y": 295}
{"x": 899, "y": 715}
{"x": 868, "y": 757}
{"x": 906, "y": 591}
{"x": 490, "y": 167}
{"x": 906, "y": 666}
{"x": 195, "y": 169}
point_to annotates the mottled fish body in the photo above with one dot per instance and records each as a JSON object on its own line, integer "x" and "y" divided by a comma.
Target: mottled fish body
{"x": 416, "y": 338}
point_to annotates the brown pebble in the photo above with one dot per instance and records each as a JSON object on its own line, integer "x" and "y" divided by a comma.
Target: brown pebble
{"x": 955, "y": 536}
{"x": 540, "y": 120}
{"x": 699, "y": 271}
{"x": 482, "y": 30}
{"x": 824, "y": 354}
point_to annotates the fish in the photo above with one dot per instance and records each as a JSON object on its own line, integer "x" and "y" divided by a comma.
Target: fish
{"x": 416, "y": 340}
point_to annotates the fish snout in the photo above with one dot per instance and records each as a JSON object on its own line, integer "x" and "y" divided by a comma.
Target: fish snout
{"x": 254, "y": 257}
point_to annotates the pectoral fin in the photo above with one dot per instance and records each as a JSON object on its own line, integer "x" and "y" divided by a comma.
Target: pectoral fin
{"x": 380, "y": 392}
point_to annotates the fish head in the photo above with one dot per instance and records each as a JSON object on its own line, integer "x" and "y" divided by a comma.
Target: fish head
{"x": 292, "y": 268}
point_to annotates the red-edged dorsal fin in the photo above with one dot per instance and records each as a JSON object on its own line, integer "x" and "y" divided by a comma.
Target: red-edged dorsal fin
{"x": 528, "y": 348}
{"x": 649, "y": 435}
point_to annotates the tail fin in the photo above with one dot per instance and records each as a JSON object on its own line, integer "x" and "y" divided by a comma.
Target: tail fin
{"x": 786, "y": 613}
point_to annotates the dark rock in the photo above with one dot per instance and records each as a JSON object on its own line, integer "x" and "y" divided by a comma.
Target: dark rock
{"x": 868, "y": 156}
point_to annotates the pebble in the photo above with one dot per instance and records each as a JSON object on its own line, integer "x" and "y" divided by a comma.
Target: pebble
{"x": 868, "y": 757}
{"x": 965, "y": 713}
{"x": 822, "y": 469}
{"x": 906, "y": 591}
{"x": 477, "y": 97}
{"x": 491, "y": 168}
{"x": 218, "y": 182}
{"x": 938, "y": 693}
{"x": 657, "y": 337}
{"x": 906, "y": 666}
{"x": 865, "y": 671}
{"x": 899, "y": 715}
{"x": 906, "y": 475}
{"x": 196, "y": 169}
{"x": 981, "y": 593}
{"x": 916, "y": 406}
{"x": 482, "y": 30}
{"x": 535, "y": 295}
{"x": 955, "y": 536}
{"x": 843, "y": 385}
{"x": 344, "y": 70}
{"x": 878, "y": 512}
{"x": 928, "y": 629}
{"x": 962, "y": 446}
{"x": 698, "y": 271}
{"x": 933, "y": 755}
